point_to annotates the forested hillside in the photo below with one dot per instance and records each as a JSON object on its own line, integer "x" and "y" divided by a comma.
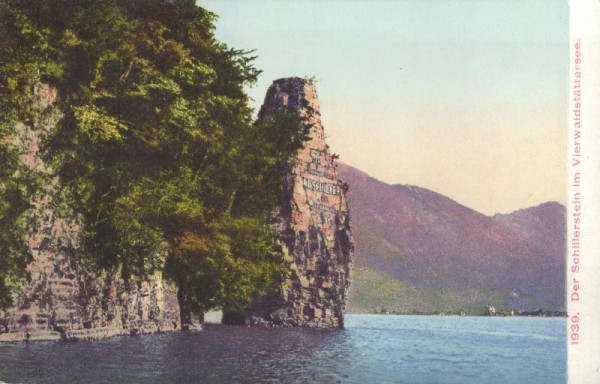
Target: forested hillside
{"x": 156, "y": 147}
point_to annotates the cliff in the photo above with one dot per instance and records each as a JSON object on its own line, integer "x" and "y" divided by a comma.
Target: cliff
{"x": 313, "y": 224}
{"x": 63, "y": 298}
{"x": 66, "y": 298}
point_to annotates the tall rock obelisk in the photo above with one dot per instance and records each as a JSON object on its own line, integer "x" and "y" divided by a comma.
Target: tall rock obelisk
{"x": 313, "y": 223}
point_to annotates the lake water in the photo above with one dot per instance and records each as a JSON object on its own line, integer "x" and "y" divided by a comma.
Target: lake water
{"x": 372, "y": 349}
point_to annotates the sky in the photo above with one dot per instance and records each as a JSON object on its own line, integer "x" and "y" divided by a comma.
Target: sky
{"x": 466, "y": 98}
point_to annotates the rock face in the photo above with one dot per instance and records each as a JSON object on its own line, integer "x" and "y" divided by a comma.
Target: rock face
{"x": 63, "y": 299}
{"x": 313, "y": 223}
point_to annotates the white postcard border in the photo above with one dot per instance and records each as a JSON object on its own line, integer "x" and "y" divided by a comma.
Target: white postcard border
{"x": 583, "y": 208}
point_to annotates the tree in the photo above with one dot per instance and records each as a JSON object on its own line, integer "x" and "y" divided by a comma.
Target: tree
{"x": 157, "y": 145}
{"x": 22, "y": 59}
{"x": 16, "y": 188}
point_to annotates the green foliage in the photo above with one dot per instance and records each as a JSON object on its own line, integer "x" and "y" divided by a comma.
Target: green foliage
{"x": 266, "y": 151}
{"x": 310, "y": 79}
{"x": 372, "y": 290}
{"x": 24, "y": 55}
{"x": 227, "y": 265}
{"x": 16, "y": 188}
{"x": 157, "y": 145}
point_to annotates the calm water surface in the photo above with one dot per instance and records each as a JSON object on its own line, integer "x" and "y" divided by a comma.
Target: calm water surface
{"x": 372, "y": 349}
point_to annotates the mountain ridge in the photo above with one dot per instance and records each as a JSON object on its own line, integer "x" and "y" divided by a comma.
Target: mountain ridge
{"x": 430, "y": 242}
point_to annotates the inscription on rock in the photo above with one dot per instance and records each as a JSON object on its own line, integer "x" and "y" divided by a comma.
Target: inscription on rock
{"x": 320, "y": 186}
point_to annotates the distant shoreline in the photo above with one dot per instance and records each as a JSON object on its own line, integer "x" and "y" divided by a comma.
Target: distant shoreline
{"x": 524, "y": 314}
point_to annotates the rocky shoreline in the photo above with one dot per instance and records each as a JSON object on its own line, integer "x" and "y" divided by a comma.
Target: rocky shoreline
{"x": 89, "y": 334}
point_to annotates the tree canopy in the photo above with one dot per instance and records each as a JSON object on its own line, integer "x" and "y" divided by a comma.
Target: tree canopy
{"x": 156, "y": 146}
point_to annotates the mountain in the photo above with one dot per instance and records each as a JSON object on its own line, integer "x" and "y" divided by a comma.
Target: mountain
{"x": 420, "y": 251}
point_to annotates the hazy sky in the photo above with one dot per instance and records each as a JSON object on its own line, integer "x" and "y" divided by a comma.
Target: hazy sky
{"x": 467, "y": 98}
